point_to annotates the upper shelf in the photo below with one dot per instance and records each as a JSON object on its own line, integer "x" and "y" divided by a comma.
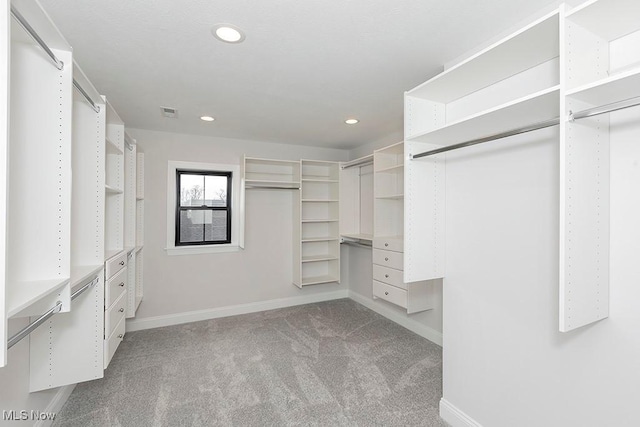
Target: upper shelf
{"x": 524, "y": 49}
{"x": 608, "y": 19}
{"x": 271, "y": 183}
{"x": 538, "y": 107}
{"x": 611, "y": 89}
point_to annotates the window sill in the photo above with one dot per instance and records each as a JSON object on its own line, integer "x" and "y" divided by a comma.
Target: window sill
{"x": 204, "y": 249}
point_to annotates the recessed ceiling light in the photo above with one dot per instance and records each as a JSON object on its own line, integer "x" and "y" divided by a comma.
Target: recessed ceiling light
{"x": 351, "y": 121}
{"x": 207, "y": 118}
{"x": 228, "y": 33}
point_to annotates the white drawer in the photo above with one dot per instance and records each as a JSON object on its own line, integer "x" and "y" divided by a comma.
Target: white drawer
{"x": 388, "y": 275}
{"x": 112, "y": 343}
{"x": 389, "y": 243}
{"x": 114, "y": 314}
{"x": 115, "y": 287}
{"x": 388, "y": 258}
{"x": 114, "y": 264}
{"x": 390, "y": 293}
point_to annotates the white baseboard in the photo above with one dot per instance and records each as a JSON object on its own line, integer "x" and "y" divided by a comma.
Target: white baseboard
{"x": 454, "y": 416}
{"x": 213, "y": 313}
{"x": 407, "y": 322}
{"x": 56, "y": 404}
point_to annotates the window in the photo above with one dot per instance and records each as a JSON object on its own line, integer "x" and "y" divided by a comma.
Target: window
{"x": 203, "y": 207}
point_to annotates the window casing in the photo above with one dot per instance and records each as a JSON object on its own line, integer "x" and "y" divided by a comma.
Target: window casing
{"x": 203, "y": 212}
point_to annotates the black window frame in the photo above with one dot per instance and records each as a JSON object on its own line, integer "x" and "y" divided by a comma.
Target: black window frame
{"x": 180, "y": 208}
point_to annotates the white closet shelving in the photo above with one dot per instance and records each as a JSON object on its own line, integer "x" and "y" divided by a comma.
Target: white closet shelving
{"x": 69, "y": 349}
{"x": 271, "y": 173}
{"x": 602, "y": 66}
{"x": 114, "y": 183}
{"x": 130, "y": 218}
{"x": 356, "y": 199}
{"x": 37, "y": 263}
{"x": 317, "y": 237}
{"x": 388, "y": 235}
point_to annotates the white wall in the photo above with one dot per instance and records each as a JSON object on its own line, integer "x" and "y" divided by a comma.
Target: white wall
{"x": 263, "y": 271}
{"x": 505, "y": 363}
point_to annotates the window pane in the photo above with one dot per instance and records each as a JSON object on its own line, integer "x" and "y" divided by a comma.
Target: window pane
{"x": 215, "y": 190}
{"x": 191, "y": 190}
{"x": 216, "y": 225}
{"x": 191, "y": 226}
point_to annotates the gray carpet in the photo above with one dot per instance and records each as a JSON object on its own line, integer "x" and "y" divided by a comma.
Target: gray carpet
{"x": 334, "y": 363}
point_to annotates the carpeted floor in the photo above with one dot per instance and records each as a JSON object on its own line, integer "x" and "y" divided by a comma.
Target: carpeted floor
{"x": 334, "y": 363}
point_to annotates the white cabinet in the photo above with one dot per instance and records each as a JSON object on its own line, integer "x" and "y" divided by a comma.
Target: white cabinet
{"x": 388, "y": 256}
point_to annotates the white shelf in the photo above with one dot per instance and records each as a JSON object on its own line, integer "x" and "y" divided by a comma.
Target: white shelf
{"x": 532, "y": 45}
{"x": 320, "y": 200}
{"x": 318, "y": 279}
{"x": 320, "y": 180}
{"x": 609, "y": 19}
{"x": 271, "y": 183}
{"x": 138, "y": 301}
{"x": 318, "y": 220}
{"x": 112, "y": 147}
{"x": 367, "y": 237}
{"x": 112, "y": 190}
{"x": 110, "y": 253}
{"x": 395, "y": 168}
{"x": 139, "y": 248}
{"x": 138, "y": 198}
{"x": 538, "y": 107}
{"x": 80, "y": 273}
{"x": 21, "y": 295}
{"x": 617, "y": 87}
{"x": 317, "y": 258}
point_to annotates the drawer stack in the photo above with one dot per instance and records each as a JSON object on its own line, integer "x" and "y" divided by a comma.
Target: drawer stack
{"x": 115, "y": 304}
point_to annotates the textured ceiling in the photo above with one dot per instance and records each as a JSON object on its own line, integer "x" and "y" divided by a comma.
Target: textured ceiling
{"x": 304, "y": 67}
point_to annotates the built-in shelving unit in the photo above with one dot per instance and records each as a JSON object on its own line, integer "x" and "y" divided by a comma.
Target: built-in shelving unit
{"x": 316, "y": 236}
{"x": 271, "y": 173}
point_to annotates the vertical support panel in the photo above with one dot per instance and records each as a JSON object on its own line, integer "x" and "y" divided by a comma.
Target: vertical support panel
{"x": 584, "y": 220}
{"x": 424, "y": 211}
{"x": 68, "y": 349}
{"x": 241, "y": 207}
{"x": 4, "y": 134}
{"x": 350, "y": 200}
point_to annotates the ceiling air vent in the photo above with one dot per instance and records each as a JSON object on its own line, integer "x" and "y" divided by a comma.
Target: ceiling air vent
{"x": 168, "y": 112}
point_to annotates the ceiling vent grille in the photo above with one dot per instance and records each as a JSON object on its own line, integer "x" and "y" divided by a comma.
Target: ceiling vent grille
{"x": 169, "y": 112}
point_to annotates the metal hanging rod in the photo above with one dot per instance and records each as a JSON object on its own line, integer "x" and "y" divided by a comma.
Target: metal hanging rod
{"x": 517, "y": 131}
{"x": 608, "y": 108}
{"x": 86, "y": 96}
{"x": 358, "y": 244}
{"x": 362, "y": 162}
{"x": 29, "y": 29}
{"x": 269, "y": 187}
{"x": 44, "y": 317}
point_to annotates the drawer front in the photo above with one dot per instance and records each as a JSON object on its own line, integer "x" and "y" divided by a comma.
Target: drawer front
{"x": 112, "y": 343}
{"x": 115, "y": 264}
{"x": 388, "y": 275}
{"x": 390, "y": 293}
{"x": 115, "y": 287}
{"x": 388, "y": 258}
{"x": 114, "y": 314}
{"x": 389, "y": 244}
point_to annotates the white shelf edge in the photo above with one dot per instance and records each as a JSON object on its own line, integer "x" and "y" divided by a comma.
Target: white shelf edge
{"x": 113, "y": 190}
{"x": 615, "y": 78}
{"x": 139, "y": 248}
{"x": 391, "y": 197}
{"x": 27, "y": 293}
{"x": 319, "y": 258}
{"x": 80, "y": 273}
{"x": 329, "y": 181}
{"x": 320, "y": 200}
{"x": 316, "y": 280}
{"x": 368, "y": 237}
{"x": 319, "y": 239}
{"x": 390, "y": 168}
{"x": 311, "y": 221}
{"x": 112, "y": 147}
{"x": 502, "y": 107}
{"x": 110, "y": 253}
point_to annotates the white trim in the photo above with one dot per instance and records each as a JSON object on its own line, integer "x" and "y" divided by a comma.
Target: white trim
{"x": 213, "y": 313}
{"x": 171, "y": 207}
{"x": 407, "y": 322}
{"x": 56, "y": 404}
{"x": 454, "y": 416}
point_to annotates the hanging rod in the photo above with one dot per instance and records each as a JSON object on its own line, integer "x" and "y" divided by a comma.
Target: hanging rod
{"x": 269, "y": 187}
{"x": 44, "y": 317}
{"x": 362, "y": 162}
{"x": 86, "y": 96}
{"x": 608, "y": 108}
{"x": 29, "y": 29}
{"x": 517, "y": 131}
